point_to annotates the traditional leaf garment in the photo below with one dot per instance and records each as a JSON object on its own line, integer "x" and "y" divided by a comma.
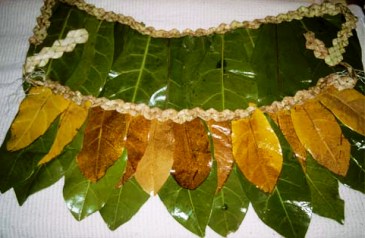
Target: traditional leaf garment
{"x": 258, "y": 112}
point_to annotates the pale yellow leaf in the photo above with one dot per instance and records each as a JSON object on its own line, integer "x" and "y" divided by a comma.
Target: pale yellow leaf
{"x": 320, "y": 134}
{"x": 348, "y": 106}
{"x": 154, "y": 167}
{"x": 257, "y": 151}
{"x": 71, "y": 121}
{"x": 103, "y": 142}
{"x": 36, "y": 113}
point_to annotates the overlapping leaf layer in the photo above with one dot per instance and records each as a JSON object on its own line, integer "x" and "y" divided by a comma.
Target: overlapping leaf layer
{"x": 205, "y": 172}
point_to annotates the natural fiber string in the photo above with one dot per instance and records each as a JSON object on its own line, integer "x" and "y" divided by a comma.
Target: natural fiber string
{"x": 339, "y": 81}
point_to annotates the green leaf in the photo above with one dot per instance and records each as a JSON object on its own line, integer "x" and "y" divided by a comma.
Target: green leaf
{"x": 288, "y": 208}
{"x": 123, "y": 204}
{"x": 229, "y": 206}
{"x": 18, "y": 166}
{"x": 355, "y": 177}
{"x": 86, "y": 68}
{"x": 83, "y": 197}
{"x": 48, "y": 174}
{"x": 326, "y": 200}
{"x": 191, "y": 208}
{"x": 140, "y": 68}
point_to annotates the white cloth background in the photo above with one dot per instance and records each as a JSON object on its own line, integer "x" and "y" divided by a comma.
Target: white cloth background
{"x": 45, "y": 213}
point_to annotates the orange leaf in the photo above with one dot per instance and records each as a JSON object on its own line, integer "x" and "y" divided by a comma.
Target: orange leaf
{"x": 36, "y": 113}
{"x": 283, "y": 120}
{"x": 103, "y": 142}
{"x": 221, "y": 134}
{"x": 192, "y": 158}
{"x": 257, "y": 151}
{"x": 71, "y": 120}
{"x": 155, "y": 165}
{"x": 135, "y": 144}
{"x": 348, "y": 106}
{"x": 321, "y": 135}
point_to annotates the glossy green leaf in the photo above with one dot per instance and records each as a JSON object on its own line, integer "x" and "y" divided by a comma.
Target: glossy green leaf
{"x": 123, "y": 204}
{"x": 323, "y": 185}
{"x": 355, "y": 177}
{"x": 83, "y": 197}
{"x": 288, "y": 208}
{"x": 47, "y": 174}
{"x": 91, "y": 61}
{"x": 191, "y": 208}
{"x": 229, "y": 206}
{"x": 18, "y": 166}
{"x": 223, "y": 71}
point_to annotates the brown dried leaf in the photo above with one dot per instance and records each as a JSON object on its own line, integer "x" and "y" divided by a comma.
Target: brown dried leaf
{"x": 284, "y": 121}
{"x": 320, "y": 134}
{"x": 221, "y": 134}
{"x": 192, "y": 158}
{"x": 348, "y": 106}
{"x": 71, "y": 121}
{"x": 103, "y": 142}
{"x": 257, "y": 151}
{"x": 155, "y": 165}
{"x": 135, "y": 144}
{"x": 36, "y": 113}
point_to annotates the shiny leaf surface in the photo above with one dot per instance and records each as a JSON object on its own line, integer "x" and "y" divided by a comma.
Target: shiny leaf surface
{"x": 36, "y": 113}
{"x": 18, "y": 166}
{"x": 192, "y": 158}
{"x": 154, "y": 168}
{"x": 84, "y": 197}
{"x": 320, "y": 134}
{"x": 355, "y": 177}
{"x": 70, "y": 122}
{"x": 229, "y": 206}
{"x": 47, "y": 174}
{"x": 348, "y": 106}
{"x": 123, "y": 204}
{"x": 256, "y": 150}
{"x": 103, "y": 142}
{"x": 222, "y": 144}
{"x": 191, "y": 208}
{"x": 288, "y": 208}
{"x": 326, "y": 200}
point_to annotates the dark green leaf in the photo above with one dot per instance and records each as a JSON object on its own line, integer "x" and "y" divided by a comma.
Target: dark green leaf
{"x": 49, "y": 173}
{"x": 191, "y": 208}
{"x": 83, "y": 197}
{"x": 123, "y": 204}
{"x": 355, "y": 177}
{"x": 326, "y": 200}
{"x": 87, "y": 67}
{"x": 288, "y": 208}
{"x": 18, "y": 166}
{"x": 229, "y": 206}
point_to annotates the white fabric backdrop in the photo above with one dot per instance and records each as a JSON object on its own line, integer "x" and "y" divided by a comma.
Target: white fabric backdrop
{"x": 45, "y": 213}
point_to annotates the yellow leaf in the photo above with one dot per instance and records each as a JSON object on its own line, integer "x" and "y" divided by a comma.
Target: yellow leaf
{"x": 192, "y": 158}
{"x": 320, "y": 134}
{"x": 257, "y": 151}
{"x": 135, "y": 144}
{"x": 221, "y": 134}
{"x": 103, "y": 142}
{"x": 71, "y": 121}
{"x": 348, "y": 106}
{"x": 284, "y": 121}
{"x": 36, "y": 113}
{"x": 154, "y": 168}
